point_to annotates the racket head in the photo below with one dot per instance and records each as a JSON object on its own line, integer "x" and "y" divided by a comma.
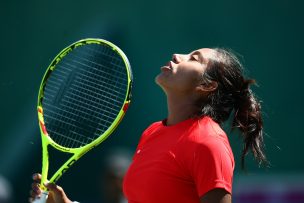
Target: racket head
{"x": 84, "y": 94}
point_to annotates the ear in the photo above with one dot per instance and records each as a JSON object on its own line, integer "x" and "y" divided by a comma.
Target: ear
{"x": 207, "y": 88}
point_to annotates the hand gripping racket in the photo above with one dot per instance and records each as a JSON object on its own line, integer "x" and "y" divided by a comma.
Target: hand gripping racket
{"x": 83, "y": 96}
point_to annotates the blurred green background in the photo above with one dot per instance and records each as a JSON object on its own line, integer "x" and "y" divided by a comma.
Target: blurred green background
{"x": 268, "y": 34}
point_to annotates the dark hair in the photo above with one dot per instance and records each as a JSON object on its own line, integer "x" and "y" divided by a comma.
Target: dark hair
{"x": 233, "y": 95}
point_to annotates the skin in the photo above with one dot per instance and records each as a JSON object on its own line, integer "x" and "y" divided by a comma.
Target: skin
{"x": 56, "y": 193}
{"x": 181, "y": 81}
{"x": 216, "y": 196}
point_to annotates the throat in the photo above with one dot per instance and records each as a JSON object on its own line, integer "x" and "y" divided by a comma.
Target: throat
{"x": 181, "y": 107}
{"x": 178, "y": 114}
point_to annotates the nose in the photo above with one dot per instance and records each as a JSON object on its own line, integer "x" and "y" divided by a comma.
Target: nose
{"x": 177, "y": 58}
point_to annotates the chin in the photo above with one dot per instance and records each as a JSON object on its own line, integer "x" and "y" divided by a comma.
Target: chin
{"x": 159, "y": 80}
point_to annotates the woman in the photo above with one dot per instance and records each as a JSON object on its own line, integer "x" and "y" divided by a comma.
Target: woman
{"x": 187, "y": 157}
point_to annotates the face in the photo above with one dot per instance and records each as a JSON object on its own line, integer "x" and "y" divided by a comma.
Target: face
{"x": 184, "y": 72}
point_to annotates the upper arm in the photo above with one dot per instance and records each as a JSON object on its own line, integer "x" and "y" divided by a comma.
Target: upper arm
{"x": 212, "y": 167}
{"x": 217, "y": 195}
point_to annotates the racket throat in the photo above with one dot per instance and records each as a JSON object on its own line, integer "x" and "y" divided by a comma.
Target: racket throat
{"x": 63, "y": 169}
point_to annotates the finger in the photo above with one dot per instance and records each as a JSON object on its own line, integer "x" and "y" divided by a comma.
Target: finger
{"x": 36, "y": 188}
{"x": 36, "y": 176}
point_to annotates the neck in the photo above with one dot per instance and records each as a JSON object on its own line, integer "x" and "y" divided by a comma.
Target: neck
{"x": 180, "y": 108}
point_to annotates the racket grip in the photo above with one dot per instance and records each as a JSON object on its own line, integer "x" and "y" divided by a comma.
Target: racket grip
{"x": 42, "y": 198}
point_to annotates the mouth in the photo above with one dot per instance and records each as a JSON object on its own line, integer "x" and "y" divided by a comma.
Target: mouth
{"x": 167, "y": 67}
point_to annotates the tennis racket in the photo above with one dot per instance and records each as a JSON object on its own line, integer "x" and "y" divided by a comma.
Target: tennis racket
{"x": 83, "y": 96}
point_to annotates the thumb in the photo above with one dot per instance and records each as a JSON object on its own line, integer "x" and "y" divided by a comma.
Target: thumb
{"x": 56, "y": 193}
{"x": 52, "y": 187}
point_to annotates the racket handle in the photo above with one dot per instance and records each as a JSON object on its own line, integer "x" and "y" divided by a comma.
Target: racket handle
{"x": 42, "y": 198}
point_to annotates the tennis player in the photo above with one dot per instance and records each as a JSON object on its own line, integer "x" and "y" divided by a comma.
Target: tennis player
{"x": 187, "y": 156}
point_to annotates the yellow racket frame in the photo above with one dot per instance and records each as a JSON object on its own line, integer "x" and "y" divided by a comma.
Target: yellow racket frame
{"x": 76, "y": 152}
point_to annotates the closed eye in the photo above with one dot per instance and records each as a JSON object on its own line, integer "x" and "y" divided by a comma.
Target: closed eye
{"x": 197, "y": 56}
{"x": 194, "y": 57}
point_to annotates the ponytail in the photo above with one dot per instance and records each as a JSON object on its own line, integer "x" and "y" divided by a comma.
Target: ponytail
{"x": 248, "y": 119}
{"x": 234, "y": 96}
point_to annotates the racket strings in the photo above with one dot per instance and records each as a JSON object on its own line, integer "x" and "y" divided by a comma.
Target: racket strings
{"x": 106, "y": 75}
{"x": 64, "y": 117}
{"x": 84, "y": 95}
{"x": 115, "y": 62}
{"x": 113, "y": 93}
